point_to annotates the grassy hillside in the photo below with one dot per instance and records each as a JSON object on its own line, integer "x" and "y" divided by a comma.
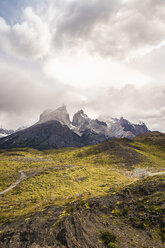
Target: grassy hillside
{"x": 64, "y": 175}
{"x": 130, "y": 218}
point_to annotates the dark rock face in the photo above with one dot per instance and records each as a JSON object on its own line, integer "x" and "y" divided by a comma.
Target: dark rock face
{"x": 80, "y": 119}
{"x": 92, "y": 138}
{"x": 47, "y": 135}
{"x": 135, "y": 129}
{"x": 92, "y": 131}
{"x": 101, "y": 123}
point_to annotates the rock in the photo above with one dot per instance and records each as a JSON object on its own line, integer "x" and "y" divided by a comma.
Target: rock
{"x": 59, "y": 114}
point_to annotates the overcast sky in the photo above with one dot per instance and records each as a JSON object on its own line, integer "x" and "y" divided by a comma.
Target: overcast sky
{"x": 105, "y": 56}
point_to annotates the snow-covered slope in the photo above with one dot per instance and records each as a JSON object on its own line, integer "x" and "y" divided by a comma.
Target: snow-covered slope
{"x": 4, "y": 133}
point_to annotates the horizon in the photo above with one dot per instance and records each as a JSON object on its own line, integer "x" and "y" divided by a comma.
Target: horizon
{"x": 105, "y": 57}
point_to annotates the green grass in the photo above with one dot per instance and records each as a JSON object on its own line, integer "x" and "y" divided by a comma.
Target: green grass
{"x": 154, "y": 156}
{"x": 54, "y": 174}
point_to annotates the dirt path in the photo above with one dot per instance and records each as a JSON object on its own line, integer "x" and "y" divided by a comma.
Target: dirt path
{"x": 157, "y": 173}
{"x": 150, "y": 174}
{"x": 22, "y": 177}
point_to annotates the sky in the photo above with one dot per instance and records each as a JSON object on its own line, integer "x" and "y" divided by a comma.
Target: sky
{"x": 103, "y": 56}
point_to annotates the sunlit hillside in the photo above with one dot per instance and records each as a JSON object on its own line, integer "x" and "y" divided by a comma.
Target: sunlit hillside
{"x": 62, "y": 175}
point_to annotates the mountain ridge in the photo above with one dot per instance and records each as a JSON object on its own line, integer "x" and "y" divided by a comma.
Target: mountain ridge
{"x": 55, "y": 129}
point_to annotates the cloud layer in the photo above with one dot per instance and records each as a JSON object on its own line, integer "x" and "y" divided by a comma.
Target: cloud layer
{"x": 113, "y": 28}
{"x": 104, "y": 56}
{"x": 119, "y": 28}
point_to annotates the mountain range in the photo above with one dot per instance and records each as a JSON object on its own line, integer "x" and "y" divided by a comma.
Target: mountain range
{"x": 55, "y": 129}
{"x": 4, "y": 132}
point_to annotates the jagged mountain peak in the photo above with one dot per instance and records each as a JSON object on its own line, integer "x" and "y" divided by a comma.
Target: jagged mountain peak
{"x": 80, "y": 118}
{"x": 60, "y": 114}
{"x": 81, "y": 113}
{"x": 57, "y": 130}
{"x": 106, "y": 126}
{"x": 62, "y": 108}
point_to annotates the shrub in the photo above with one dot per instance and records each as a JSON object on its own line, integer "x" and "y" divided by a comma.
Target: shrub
{"x": 107, "y": 238}
{"x": 116, "y": 212}
{"x": 112, "y": 245}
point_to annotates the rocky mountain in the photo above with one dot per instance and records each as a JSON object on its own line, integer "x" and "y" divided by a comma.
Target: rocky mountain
{"x": 4, "y": 133}
{"x": 122, "y": 128}
{"x": 103, "y": 128}
{"x": 107, "y": 127}
{"x": 59, "y": 114}
{"x": 93, "y": 131}
{"x": 55, "y": 129}
{"x": 21, "y": 128}
{"x": 51, "y": 134}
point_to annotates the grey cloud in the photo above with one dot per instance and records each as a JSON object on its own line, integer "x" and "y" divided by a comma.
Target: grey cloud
{"x": 112, "y": 28}
{"x": 107, "y": 27}
{"x": 80, "y": 17}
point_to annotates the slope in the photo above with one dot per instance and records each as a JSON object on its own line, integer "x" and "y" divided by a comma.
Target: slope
{"x": 51, "y": 134}
{"x": 58, "y": 177}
